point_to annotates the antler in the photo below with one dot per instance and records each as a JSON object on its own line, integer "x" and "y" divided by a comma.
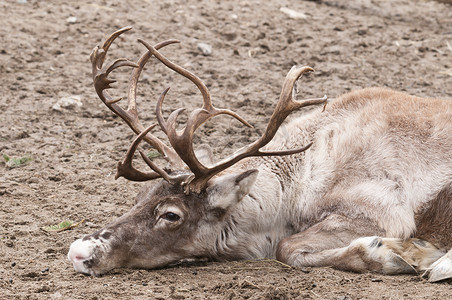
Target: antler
{"x": 182, "y": 141}
{"x": 130, "y": 116}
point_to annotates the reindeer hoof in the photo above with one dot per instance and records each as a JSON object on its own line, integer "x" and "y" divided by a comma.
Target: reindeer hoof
{"x": 440, "y": 269}
{"x": 381, "y": 251}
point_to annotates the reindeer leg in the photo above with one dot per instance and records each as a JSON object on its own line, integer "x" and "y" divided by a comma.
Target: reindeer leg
{"x": 352, "y": 245}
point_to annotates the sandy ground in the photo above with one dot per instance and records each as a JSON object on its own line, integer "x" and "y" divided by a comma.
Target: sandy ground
{"x": 69, "y": 155}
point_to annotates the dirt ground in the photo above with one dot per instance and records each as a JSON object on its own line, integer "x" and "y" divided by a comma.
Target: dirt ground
{"x": 62, "y": 161}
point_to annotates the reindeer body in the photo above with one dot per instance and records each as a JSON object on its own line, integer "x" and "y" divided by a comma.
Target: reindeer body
{"x": 372, "y": 193}
{"x": 360, "y": 167}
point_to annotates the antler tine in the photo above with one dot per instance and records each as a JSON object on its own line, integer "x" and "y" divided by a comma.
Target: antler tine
{"x": 130, "y": 116}
{"x": 159, "y": 113}
{"x": 126, "y": 169}
{"x": 98, "y": 55}
{"x": 287, "y": 104}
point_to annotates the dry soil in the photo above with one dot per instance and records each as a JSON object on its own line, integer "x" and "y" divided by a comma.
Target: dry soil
{"x": 62, "y": 161}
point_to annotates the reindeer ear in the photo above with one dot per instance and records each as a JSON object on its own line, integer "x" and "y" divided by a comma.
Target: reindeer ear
{"x": 205, "y": 155}
{"x": 230, "y": 189}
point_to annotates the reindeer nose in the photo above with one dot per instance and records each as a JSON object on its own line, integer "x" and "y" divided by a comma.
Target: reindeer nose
{"x": 80, "y": 252}
{"x": 77, "y": 252}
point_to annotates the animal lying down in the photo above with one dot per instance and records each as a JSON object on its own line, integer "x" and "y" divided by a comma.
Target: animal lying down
{"x": 361, "y": 184}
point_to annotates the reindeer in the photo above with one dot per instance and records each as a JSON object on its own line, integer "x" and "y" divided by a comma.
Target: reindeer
{"x": 363, "y": 184}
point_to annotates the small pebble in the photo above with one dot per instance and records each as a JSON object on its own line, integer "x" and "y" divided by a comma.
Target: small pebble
{"x": 293, "y": 14}
{"x": 68, "y": 103}
{"x": 13, "y": 264}
{"x": 45, "y": 270}
{"x": 71, "y": 20}
{"x": 43, "y": 289}
{"x": 206, "y": 49}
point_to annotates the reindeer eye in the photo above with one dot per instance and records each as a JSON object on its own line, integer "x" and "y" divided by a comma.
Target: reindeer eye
{"x": 170, "y": 216}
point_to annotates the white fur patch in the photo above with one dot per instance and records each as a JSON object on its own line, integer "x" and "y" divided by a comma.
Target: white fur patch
{"x": 82, "y": 250}
{"x": 79, "y": 252}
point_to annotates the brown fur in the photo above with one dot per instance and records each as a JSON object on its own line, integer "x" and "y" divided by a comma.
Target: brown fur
{"x": 434, "y": 219}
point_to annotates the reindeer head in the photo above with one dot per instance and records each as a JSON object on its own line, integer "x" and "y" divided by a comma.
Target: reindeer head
{"x": 181, "y": 216}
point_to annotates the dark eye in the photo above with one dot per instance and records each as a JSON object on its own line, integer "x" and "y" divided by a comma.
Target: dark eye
{"x": 170, "y": 216}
